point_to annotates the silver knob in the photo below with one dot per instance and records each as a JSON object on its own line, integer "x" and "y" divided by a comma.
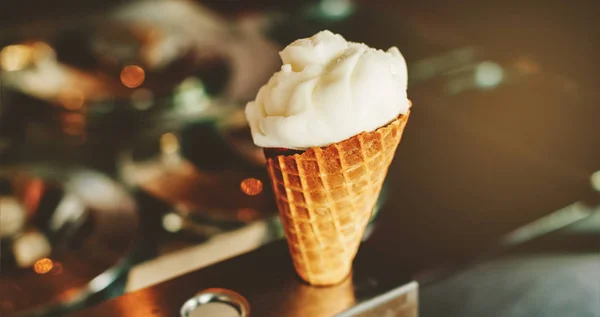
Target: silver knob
{"x": 216, "y": 302}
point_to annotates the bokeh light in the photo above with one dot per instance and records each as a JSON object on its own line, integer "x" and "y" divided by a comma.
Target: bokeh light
{"x": 73, "y": 123}
{"x": 12, "y": 216}
{"x": 32, "y": 195}
{"x": 30, "y": 247}
{"x": 172, "y": 222}
{"x": 595, "y": 180}
{"x": 251, "y": 186}
{"x": 169, "y": 143}
{"x": 15, "y": 57}
{"x": 43, "y": 266}
{"x": 72, "y": 99}
{"x": 336, "y": 8}
{"x": 142, "y": 99}
{"x": 132, "y": 76}
{"x": 488, "y": 74}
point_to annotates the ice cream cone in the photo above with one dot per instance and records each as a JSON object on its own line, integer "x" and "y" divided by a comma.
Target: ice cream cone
{"x": 325, "y": 198}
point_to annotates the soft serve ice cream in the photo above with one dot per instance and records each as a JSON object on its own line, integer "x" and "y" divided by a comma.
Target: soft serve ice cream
{"x": 328, "y": 90}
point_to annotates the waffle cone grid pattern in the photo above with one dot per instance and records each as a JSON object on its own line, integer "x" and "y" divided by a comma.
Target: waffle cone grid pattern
{"x": 325, "y": 198}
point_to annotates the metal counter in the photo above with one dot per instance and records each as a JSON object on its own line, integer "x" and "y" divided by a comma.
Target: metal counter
{"x": 266, "y": 278}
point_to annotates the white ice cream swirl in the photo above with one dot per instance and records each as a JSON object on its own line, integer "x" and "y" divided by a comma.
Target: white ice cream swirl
{"x": 328, "y": 90}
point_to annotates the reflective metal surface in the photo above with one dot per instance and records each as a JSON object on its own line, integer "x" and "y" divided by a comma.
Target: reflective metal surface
{"x": 66, "y": 234}
{"x": 586, "y": 211}
{"x": 553, "y": 275}
{"x": 266, "y": 279}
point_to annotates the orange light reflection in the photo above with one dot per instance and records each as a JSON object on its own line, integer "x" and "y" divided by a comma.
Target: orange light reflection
{"x": 72, "y": 99}
{"x": 43, "y": 266}
{"x": 132, "y": 76}
{"x": 251, "y": 186}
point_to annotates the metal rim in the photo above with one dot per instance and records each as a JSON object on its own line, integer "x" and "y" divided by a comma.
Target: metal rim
{"x": 216, "y": 295}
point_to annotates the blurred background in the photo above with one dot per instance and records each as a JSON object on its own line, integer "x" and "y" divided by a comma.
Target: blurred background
{"x": 125, "y": 158}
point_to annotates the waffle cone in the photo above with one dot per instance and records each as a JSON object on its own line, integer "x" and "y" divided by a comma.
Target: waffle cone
{"x": 325, "y": 198}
